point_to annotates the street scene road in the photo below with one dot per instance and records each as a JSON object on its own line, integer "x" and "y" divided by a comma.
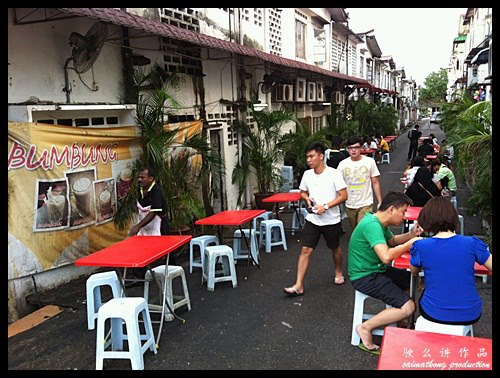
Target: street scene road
{"x": 251, "y": 327}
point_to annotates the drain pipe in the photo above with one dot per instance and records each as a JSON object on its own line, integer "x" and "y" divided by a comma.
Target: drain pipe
{"x": 67, "y": 85}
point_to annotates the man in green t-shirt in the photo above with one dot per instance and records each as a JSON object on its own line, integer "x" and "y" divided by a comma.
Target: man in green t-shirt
{"x": 371, "y": 248}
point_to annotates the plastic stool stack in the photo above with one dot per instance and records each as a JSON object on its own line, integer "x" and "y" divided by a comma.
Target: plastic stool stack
{"x": 272, "y": 233}
{"x": 239, "y": 252}
{"x": 257, "y": 220}
{"x": 174, "y": 302}
{"x": 200, "y": 241}
{"x": 223, "y": 254}
{"x": 386, "y": 158}
{"x": 360, "y": 315}
{"x": 124, "y": 312}
{"x": 93, "y": 288}
{"x": 422, "y": 324}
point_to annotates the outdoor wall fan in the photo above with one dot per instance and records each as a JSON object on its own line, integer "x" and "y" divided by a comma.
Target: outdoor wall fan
{"x": 86, "y": 50}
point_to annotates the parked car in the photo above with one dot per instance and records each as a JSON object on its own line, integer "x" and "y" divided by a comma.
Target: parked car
{"x": 435, "y": 117}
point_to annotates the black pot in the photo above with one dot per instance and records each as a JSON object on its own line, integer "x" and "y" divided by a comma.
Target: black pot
{"x": 268, "y": 206}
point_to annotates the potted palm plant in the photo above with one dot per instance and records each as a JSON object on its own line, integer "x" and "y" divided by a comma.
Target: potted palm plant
{"x": 261, "y": 154}
{"x": 181, "y": 167}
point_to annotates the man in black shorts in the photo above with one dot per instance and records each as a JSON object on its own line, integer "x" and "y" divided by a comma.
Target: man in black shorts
{"x": 323, "y": 189}
{"x": 372, "y": 246}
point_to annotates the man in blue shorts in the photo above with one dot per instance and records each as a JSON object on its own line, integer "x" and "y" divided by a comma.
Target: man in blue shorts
{"x": 372, "y": 246}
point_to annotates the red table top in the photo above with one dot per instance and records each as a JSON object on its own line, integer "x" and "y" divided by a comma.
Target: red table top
{"x": 368, "y": 152}
{"x": 403, "y": 262}
{"x": 283, "y": 197}
{"x": 430, "y": 157}
{"x": 230, "y": 217}
{"x": 407, "y": 349}
{"x": 412, "y": 212}
{"x": 389, "y": 138}
{"x": 134, "y": 252}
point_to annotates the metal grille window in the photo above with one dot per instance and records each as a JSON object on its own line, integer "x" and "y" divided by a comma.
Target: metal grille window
{"x": 300, "y": 39}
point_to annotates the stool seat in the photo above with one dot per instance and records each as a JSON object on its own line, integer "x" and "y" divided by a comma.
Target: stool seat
{"x": 386, "y": 158}
{"x": 94, "y": 285}
{"x": 124, "y": 312}
{"x": 360, "y": 315}
{"x": 239, "y": 252}
{"x": 173, "y": 301}
{"x": 272, "y": 233}
{"x": 201, "y": 241}
{"x": 422, "y": 324}
{"x": 223, "y": 254}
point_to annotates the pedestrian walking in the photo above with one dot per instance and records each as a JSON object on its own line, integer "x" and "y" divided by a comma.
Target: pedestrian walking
{"x": 414, "y": 135}
{"x": 323, "y": 189}
{"x": 361, "y": 175}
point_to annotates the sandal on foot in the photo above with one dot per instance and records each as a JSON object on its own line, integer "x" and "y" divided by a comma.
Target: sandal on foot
{"x": 339, "y": 280}
{"x": 375, "y": 351}
{"x": 292, "y": 292}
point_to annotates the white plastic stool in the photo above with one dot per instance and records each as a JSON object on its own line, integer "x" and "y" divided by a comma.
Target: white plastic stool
{"x": 422, "y": 324}
{"x": 272, "y": 233}
{"x": 201, "y": 241}
{"x": 93, "y": 287}
{"x": 173, "y": 272}
{"x": 224, "y": 254}
{"x": 124, "y": 311}
{"x": 258, "y": 219}
{"x": 360, "y": 315}
{"x": 386, "y": 158}
{"x": 240, "y": 253}
{"x": 453, "y": 201}
{"x": 298, "y": 222}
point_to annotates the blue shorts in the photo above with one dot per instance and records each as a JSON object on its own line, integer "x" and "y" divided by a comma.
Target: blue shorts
{"x": 388, "y": 287}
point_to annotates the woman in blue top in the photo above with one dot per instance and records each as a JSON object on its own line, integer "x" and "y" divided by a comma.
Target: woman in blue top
{"x": 447, "y": 259}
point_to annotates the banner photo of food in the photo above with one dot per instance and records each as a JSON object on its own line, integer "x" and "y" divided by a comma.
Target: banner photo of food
{"x": 64, "y": 186}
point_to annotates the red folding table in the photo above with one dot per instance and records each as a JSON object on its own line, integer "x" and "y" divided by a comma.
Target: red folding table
{"x": 138, "y": 252}
{"x": 285, "y": 197}
{"x": 232, "y": 218}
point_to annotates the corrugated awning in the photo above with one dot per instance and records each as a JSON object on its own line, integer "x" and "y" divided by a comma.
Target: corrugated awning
{"x": 373, "y": 89}
{"x": 122, "y": 18}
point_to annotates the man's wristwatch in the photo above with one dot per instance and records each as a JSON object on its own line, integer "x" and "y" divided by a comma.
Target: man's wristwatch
{"x": 326, "y": 206}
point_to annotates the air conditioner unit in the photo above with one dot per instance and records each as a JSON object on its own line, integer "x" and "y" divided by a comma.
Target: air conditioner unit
{"x": 337, "y": 98}
{"x": 284, "y": 93}
{"x": 320, "y": 92}
{"x": 311, "y": 91}
{"x": 300, "y": 89}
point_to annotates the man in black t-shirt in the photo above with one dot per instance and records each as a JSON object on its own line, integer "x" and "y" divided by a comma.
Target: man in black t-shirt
{"x": 426, "y": 149}
{"x": 337, "y": 153}
{"x": 414, "y": 134}
{"x": 151, "y": 205}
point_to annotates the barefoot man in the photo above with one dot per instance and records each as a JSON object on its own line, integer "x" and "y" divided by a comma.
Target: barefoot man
{"x": 372, "y": 246}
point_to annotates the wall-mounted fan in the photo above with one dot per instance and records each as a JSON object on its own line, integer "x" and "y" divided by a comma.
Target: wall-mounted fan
{"x": 86, "y": 49}
{"x": 267, "y": 84}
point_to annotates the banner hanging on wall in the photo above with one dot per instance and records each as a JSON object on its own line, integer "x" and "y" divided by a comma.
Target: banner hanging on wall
{"x": 64, "y": 186}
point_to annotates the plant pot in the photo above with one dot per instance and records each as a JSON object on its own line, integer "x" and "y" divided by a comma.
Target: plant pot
{"x": 268, "y": 206}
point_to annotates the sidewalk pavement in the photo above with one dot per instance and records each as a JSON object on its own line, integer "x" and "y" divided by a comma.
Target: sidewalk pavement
{"x": 254, "y": 326}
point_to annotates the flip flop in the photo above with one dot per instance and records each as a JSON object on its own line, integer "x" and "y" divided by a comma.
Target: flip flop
{"x": 292, "y": 292}
{"x": 375, "y": 351}
{"x": 339, "y": 280}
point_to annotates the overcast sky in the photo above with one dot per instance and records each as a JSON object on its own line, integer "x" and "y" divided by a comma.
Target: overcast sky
{"x": 419, "y": 39}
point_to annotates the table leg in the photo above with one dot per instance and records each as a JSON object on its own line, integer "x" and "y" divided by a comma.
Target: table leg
{"x": 249, "y": 249}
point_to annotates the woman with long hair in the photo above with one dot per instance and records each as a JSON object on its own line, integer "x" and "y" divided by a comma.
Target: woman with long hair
{"x": 422, "y": 189}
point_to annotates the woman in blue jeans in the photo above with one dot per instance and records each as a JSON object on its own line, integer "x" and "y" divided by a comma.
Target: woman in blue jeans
{"x": 447, "y": 259}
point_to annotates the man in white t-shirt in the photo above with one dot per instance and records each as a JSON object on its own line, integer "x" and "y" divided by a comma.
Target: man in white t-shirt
{"x": 361, "y": 176}
{"x": 323, "y": 189}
